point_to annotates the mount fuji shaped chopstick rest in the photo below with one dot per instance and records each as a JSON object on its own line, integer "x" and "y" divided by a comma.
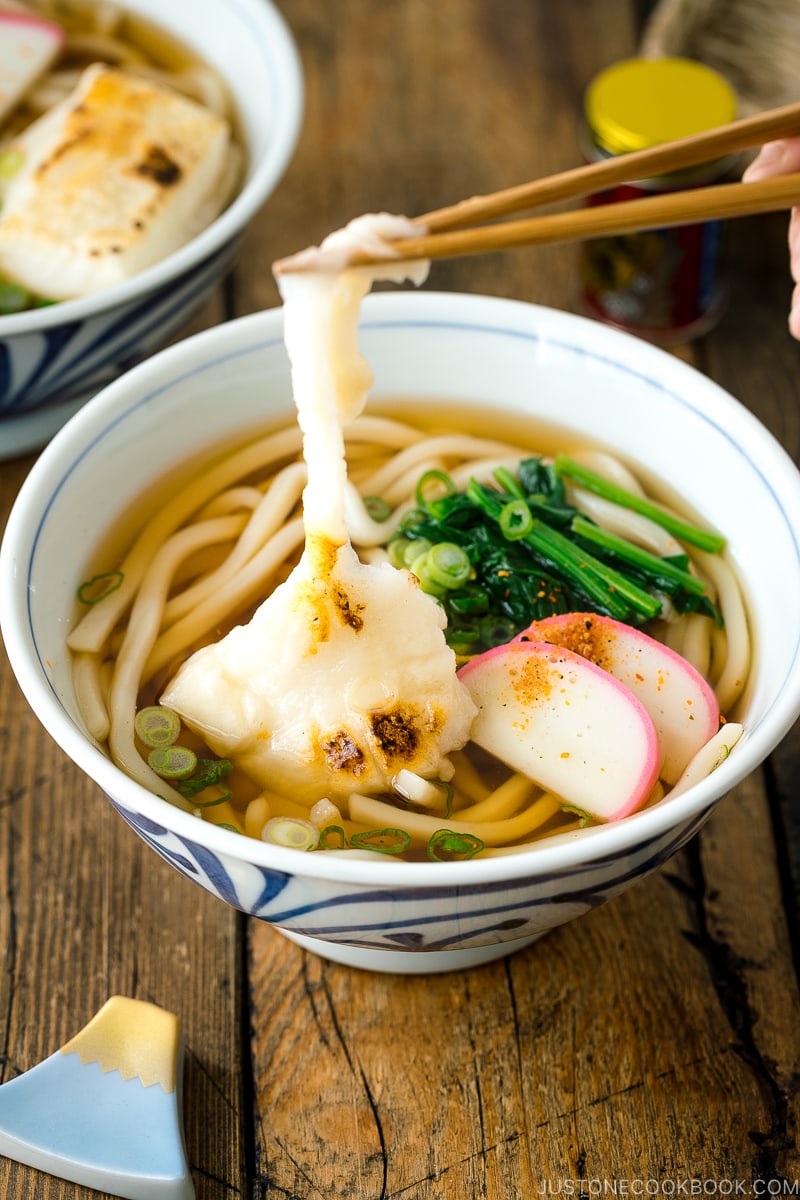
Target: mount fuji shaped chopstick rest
{"x": 104, "y": 1111}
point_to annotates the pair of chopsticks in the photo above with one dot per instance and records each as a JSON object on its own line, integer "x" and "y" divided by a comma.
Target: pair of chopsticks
{"x": 450, "y": 231}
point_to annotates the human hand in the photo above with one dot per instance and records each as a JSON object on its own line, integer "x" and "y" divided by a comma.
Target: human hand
{"x": 782, "y": 157}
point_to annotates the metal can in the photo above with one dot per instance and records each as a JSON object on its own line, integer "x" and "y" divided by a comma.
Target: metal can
{"x": 662, "y": 284}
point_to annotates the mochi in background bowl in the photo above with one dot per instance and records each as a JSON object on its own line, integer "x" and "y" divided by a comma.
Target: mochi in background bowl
{"x": 53, "y": 359}
{"x": 608, "y": 387}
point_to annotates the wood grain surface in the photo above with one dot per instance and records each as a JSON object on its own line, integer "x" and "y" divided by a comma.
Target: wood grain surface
{"x": 648, "y": 1048}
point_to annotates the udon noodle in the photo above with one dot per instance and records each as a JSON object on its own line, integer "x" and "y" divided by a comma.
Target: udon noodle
{"x": 225, "y": 540}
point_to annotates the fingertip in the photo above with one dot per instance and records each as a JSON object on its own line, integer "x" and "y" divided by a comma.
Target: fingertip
{"x": 794, "y": 315}
{"x": 780, "y": 157}
{"x": 767, "y": 162}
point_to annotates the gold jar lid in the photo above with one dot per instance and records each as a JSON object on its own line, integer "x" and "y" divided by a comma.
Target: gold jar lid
{"x": 643, "y": 102}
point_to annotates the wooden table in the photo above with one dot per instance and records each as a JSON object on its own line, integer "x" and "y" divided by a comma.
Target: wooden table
{"x": 650, "y": 1048}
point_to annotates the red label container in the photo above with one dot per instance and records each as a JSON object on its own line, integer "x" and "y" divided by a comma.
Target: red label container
{"x": 662, "y": 284}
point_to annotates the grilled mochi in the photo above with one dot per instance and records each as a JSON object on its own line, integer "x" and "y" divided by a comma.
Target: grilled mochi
{"x": 113, "y": 179}
{"x": 342, "y": 678}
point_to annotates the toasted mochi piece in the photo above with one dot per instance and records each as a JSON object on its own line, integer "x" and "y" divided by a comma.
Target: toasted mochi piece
{"x": 28, "y": 45}
{"x": 680, "y": 702}
{"x": 115, "y": 178}
{"x": 563, "y": 722}
{"x": 340, "y": 680}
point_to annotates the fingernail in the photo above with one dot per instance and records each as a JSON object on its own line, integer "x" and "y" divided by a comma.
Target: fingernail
{"x": 769, "y": 157}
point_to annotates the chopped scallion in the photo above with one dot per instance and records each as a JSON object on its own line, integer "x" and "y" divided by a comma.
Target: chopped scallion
{"x": 385, "y": 841}
{"x": 515, "y": 520}
{"x": 332, "y": 837}
{"x": 93, "y": 590}
{"x": 446, "y": 846}
{"x": 415, "y": 548}
{"x": 173, "y": 762}
{"x": 585, "y": 818}
{"x": 448, "y": 565}
{"x": 157, "y": 726}
{"x": 438, "y": 482}
{"x": 396, "y": 549}
{"x": 292, "y": 832}
{"x": 377, "y": 508}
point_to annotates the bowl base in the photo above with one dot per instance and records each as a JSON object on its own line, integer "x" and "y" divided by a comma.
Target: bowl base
{"x": 408, "y": 962}
{"x": 31, "y": 431}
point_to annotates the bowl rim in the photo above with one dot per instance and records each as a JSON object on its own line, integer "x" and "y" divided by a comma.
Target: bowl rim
{"x": 287, "y": 88}
{"x": 563, "y": 853}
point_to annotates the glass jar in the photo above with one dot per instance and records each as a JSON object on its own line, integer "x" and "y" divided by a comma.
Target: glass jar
{"x": 661, "y": 284}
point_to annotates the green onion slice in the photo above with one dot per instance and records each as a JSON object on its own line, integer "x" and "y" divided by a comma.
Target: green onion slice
{"x": 385, "y": 841}
{"x": 421, "y": 568}
{"x": 585, "y": 817}
{"x": 396, "y": 549}
{"x": 446, "y": 846}
{"x": 448, "y": 565}
{"x": 157, "y": 726}
{"x": 443, "y": 485}
{"x": 377, "y": 507}
{"x": 292, "y": 832}
{"x": 515, "y": 520}
{"x": 332, "y": 837}
{"x": 93, "y": 590}
{"x": 173, "y": 762}
{"x": 415, "y": 548}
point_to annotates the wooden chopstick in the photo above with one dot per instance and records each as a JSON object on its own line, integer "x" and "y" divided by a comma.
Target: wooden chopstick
{"x": 456, "y": 230}
{"x": 640, "y": 164}
{"x": 603, "y": 220}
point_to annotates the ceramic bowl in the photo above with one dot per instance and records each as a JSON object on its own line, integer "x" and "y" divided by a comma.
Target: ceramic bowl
{"x": 609, "y": 386}
{"x": 53, "y": 359}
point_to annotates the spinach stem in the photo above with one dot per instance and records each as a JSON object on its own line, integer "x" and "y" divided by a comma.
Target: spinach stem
{"x": 704, "y": 539}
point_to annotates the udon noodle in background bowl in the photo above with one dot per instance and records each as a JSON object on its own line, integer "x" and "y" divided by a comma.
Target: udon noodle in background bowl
{"x": 450, "y": 356}
{"x": 239, "y": 57}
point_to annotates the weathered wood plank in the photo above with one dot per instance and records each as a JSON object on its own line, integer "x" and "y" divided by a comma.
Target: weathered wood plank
{"x": 88, "y": 911}
{"x": 650, "y": 1040}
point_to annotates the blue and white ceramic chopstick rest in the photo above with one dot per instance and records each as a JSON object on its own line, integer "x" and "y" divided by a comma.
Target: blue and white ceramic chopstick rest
{"x": 104, "y": 1111}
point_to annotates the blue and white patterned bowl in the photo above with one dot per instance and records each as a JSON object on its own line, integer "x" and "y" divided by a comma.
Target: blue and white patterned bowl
{"x": 450, "y": 349}
{"x": 52, "y": 360}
